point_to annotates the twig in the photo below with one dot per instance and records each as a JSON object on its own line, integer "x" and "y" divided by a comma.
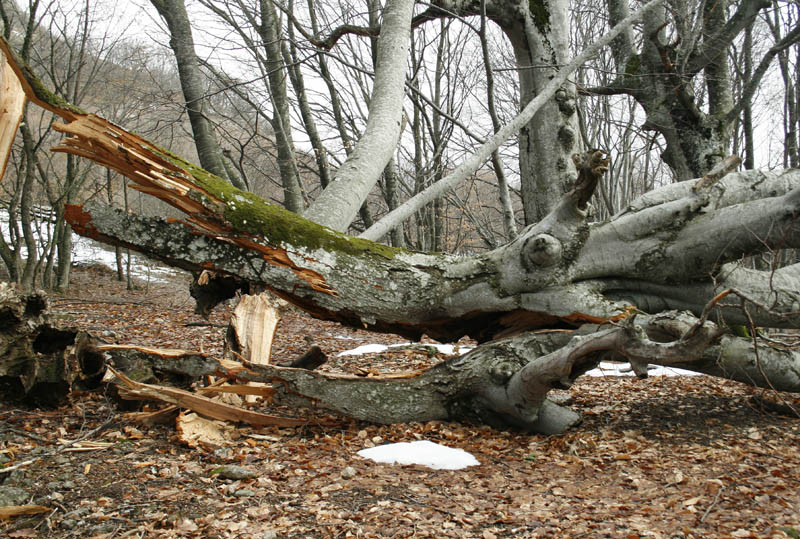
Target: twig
{"x": 78, "y": 301}
{"x": 704, "y": 315}
{"x": 713, "y": 503}
{"x": 205, "y": 324}
{"x": 19, "y": 465}
{"x": 23, "y": 433}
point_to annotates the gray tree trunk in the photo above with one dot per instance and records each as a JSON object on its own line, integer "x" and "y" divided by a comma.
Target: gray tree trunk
{"x": 281, "y": 120}
{"x": 662, "y": 77}
{"x": 182, "y": 44}
{"x": 341, "y": 200}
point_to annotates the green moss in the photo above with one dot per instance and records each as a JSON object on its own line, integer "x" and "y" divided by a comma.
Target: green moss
{"x": 40, "y": 91}
{"x": 43, "y": 94}
{"x": 249, "y": 213}
{"x": 790, "y": 531}
{"x": 541, "y": 15}
{"x": 741, "y": 331}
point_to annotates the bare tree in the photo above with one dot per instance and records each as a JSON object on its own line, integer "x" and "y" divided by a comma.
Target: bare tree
{"x": 194, "y": 88}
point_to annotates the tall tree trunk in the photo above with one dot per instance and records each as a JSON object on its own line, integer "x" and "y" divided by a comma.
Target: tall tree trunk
{"x": 749, "y": 162}
{"x": 269, "y": 31}
{"x": 292, "y": 61}
{"x": 28, "y": 275}
{"x": 182, "y": 44}
{"x": 553, "y": 89}
{"x": 662, "y": 79}
{"x": 540, "y": 37}
{"x": 506, "y": 207}
{"x": 341, "y": 200}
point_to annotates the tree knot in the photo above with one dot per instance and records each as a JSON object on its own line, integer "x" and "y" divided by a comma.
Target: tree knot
{"x": 542, "y": 250}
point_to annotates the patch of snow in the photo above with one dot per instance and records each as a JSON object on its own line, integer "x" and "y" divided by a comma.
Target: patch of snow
{"x": 87, "y": 251}
{"x": 446, "y": 349}
{"x": 365, "y": 349}
{"x": 624, "y": 369}
{"x": 423, "y": 452}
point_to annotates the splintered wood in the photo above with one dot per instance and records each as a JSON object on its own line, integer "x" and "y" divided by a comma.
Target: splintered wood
{"x": 12, "y": 102}
{"x": 132, "y": 390}
{"x": 253, "y": 326}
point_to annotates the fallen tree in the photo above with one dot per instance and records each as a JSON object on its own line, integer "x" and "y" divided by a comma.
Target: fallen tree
{"x": 547, "y": 306}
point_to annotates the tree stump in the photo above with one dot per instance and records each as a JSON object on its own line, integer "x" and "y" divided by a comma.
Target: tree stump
{"x": 40, "y": 363}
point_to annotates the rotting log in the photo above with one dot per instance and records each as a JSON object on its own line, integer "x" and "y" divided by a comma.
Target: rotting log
{"x": 40, "y": 363}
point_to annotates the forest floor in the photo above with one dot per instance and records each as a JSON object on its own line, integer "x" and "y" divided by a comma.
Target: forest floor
{"x": 661, "y": 457}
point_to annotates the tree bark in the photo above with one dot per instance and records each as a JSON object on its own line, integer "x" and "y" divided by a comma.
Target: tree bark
{"x": 341, "y": 200}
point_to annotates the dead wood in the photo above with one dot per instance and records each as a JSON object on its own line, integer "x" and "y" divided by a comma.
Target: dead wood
{"x": 131, "y": 390}
{"x": 311, "y": 360}
{"x": 40, "y": 363}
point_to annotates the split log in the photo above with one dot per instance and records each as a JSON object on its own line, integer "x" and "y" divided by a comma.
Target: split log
{"x": 251, "y": 330}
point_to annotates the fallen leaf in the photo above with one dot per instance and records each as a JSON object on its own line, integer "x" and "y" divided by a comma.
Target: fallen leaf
{"x": 691, "y": 501}
{"x": 17, "y": 510}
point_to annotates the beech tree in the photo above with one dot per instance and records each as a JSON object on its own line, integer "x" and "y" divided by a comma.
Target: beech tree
{"x": 658, "y": 282}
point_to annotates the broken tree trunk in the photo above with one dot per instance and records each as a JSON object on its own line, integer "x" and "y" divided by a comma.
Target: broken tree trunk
{"x": 505, "y": 383}
{"x": 252, "y": 327}
{"x": 675, "y": 248}
{"x": 251, "y": 330}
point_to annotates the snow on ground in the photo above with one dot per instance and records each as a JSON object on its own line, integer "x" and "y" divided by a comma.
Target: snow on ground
{"x": 446, "y": 349}
{"x": 423, "y": 452}
{"x": 605, "y": 368}
{"x": 624, "y": 369}
{"x": 86, "y": 251}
